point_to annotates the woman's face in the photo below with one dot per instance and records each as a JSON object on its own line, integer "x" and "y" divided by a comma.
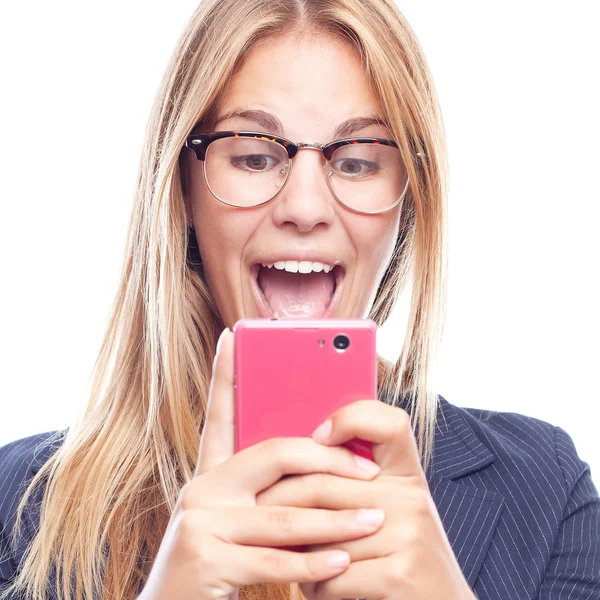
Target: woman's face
{"x": 310, "y": 85}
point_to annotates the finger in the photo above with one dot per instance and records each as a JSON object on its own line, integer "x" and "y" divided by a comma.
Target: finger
{"x": 362, "y": 579}
{"x": 279, "y": 526}
{"x": 398, "y": 531}
{"x": 374, "y": 545}
{"x": 321, "y": 490}
{"x": 247, "y": 565}
{"x": 259, "y": 466}
{"x": 217, "y": 442}
{"x": 387, "y": 427}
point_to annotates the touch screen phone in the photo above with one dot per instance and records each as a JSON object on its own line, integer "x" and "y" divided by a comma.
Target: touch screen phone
{"x": 291, "y": 374}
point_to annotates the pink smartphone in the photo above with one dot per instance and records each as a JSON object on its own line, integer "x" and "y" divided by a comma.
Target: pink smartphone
{"x": 291, "y": 374}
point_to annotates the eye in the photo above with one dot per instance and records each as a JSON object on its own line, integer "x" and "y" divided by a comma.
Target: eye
{"x": 355, "y": 168}
{"x": 255, "y": 163}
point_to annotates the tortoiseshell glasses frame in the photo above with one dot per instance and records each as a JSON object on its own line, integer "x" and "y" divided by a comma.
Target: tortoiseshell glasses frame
{"x": 200, "y": 142}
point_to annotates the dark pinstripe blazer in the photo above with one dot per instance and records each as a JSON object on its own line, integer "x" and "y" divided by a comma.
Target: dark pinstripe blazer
{"x": 518, "y": 505}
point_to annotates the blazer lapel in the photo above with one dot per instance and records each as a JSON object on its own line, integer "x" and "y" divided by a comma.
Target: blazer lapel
{"x": 469, "y": 514}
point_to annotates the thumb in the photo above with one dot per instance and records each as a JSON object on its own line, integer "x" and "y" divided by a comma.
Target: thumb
{"x": 217, "y": 442}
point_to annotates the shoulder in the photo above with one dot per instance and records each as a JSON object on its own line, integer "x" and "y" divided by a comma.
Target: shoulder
{"x": 533, "y": 448}
{"x": 19, "y": 461}
{"x": 521, "y": 480}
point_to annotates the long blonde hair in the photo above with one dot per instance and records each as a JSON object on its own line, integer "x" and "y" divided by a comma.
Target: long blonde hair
{"x": 114, "y": 481}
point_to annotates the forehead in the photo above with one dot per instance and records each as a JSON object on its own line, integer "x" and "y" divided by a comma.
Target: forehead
{"x": 310, "y": 82}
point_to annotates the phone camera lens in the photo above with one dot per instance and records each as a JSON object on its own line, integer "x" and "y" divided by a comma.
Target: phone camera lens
{"x": 341, "y": 342}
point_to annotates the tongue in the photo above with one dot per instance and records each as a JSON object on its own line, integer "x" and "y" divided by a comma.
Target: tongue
{"x": 296, "y": 294}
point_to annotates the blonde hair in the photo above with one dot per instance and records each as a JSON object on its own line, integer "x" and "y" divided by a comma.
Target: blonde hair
{"x": 113, "y": 483}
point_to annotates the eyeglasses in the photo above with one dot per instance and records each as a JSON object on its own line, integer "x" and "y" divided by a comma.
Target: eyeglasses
{"x": 247, "y": 169}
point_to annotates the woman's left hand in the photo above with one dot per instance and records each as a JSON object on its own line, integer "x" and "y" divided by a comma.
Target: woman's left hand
{"x": 409, "y": 556}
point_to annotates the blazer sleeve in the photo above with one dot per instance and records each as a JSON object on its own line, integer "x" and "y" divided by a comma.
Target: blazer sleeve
{"x": 574, "y": 569}
{"x": 7, "y": 564}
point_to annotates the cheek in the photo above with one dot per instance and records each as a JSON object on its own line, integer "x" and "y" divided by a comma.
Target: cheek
{"x": 378, "y": 238}
{"x": 220, "y": 250}
{"x": 223, "y": 233}
{"x": 215, "y": 225}
{"x": 221, "y": 262}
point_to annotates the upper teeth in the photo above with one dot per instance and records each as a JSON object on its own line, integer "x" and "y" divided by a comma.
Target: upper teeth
{"x": 300, "y": 266}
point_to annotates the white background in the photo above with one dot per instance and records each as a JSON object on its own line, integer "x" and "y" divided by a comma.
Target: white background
{"x": 517, "y": 82}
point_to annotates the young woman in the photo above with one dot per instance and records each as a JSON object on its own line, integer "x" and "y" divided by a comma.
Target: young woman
{"x": 294, "y": 165}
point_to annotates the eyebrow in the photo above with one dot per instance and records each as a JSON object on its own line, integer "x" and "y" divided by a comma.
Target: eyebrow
{"x": 272, "y": 124}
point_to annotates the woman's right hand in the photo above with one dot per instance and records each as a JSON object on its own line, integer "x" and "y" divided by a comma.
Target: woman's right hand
{"x": 218, "y": 539}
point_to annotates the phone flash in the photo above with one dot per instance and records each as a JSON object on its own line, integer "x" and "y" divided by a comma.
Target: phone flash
{"x": 321, "y": 343}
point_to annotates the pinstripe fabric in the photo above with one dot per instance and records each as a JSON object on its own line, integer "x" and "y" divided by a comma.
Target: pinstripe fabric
{"x": 519, "y": 507}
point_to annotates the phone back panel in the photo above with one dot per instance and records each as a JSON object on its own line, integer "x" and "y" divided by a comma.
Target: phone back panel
{"x": 289, "y": 377}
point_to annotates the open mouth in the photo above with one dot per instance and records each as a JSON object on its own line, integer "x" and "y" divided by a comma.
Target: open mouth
{"x": 283, "y": 293}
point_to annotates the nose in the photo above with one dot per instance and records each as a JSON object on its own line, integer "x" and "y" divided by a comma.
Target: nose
{"x": 305, "y": 202}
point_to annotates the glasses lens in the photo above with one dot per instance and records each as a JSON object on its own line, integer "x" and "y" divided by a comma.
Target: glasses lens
{"x": 244, "y": 171}
{"x": 369, "y": 178}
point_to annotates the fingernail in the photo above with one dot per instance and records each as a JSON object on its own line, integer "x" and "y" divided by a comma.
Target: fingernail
{"x": 321, "y": 433}
{"x": 366, "y": 464}
{"x": 223, "y": 334}
{"x": 339, "y": 559}
{"x": 372, "y": 517}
